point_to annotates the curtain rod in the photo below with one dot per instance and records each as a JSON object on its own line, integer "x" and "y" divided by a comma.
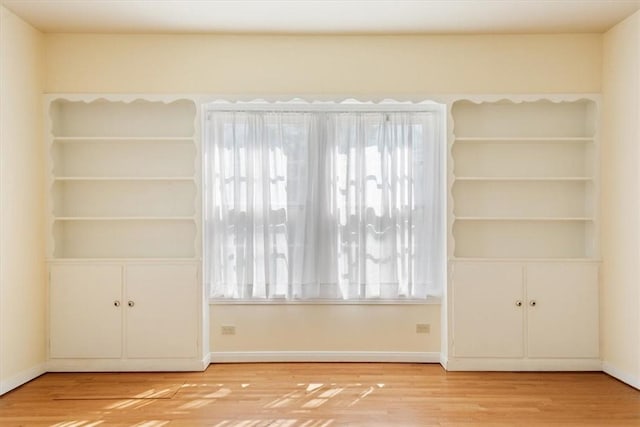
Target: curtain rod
{"x": 324, "y": 108}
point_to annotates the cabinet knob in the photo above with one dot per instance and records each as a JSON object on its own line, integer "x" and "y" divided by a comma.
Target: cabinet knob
{"x": 518, "y": 303}
{"x": 532, "y": 303}
{"x": 131, "y": 303}
{"x": 116, "y": 303}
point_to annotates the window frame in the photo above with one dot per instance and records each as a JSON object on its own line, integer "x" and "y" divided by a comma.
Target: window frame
{"x": 348, "y": 106}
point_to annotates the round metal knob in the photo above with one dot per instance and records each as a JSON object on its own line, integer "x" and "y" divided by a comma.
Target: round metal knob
{"x": 116, "y": 303}
{"x": 131, "y": 303}
{"x": 532, "y": 303}
{"x": 518, "y": 303}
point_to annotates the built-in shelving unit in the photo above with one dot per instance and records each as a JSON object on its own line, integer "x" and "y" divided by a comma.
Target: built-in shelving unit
{"x": 124, "y": 275}
{"x": 123, "y": 179}
{"x": 524, "y": 179}
{"x": 523, "y": 236}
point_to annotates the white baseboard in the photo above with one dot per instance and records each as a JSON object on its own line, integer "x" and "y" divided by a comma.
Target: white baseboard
{"x": 22, "y": 378}
{"x": 323, "y": 356}
{"x": 444, "y": 361}
{"x": 625, "y": 377}
{"x": 524, "y": 365}
{"x": 127, "y": 365}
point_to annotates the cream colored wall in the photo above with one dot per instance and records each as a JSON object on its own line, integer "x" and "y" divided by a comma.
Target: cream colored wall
{"x": 351, "y": 65}
{"x": 319, "y": 327}
{"x": 620, "y": 291}
{"x": 22, "y": 270}
{"x": 401, "y": 66}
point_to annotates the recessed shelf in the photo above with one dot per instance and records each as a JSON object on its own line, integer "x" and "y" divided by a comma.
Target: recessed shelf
{"x": 523, "y": 199}
{"x": 123, "y": 180}
{"x": 524, "y": 219}
{"x": 523, "y": 239}
{"x": 79, "y": 139}
{"x": 524, "y": 178}
{"x": 524, "y": 140}
{"x": 536, "y": 119}
{"x": 105, "y": 119}
{"x": 516, "y": 259}
{"x": 124, "y": 239}
{"x": 120, "y": 260}
{"x": 124, "y": 218}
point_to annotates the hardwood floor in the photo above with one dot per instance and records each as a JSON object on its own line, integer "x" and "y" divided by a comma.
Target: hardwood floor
{"x": 321, "y": 395}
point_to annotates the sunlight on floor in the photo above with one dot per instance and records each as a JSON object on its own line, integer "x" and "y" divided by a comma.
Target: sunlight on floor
{"x": 77, "y": 424}
{"x": 274, "y": 423}
{"x": 300, "y": 398}
{"x": 130, "y": 404}
{"x": 153, "y": 394}
{"x": 152, "y": 423}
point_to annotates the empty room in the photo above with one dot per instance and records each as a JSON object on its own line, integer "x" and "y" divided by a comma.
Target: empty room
{"x": 319, "y": 213}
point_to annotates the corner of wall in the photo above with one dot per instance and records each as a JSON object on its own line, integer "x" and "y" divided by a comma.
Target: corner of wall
{"x": 22, "y": 263}
{"x": 620, "y": 232}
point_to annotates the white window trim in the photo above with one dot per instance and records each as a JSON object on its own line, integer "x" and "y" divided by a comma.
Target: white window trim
{"x": 347, "y": 105}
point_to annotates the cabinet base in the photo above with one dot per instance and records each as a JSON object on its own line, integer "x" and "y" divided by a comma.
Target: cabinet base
{"x": 473, "y": 364}
{"x": 128, "y": 365}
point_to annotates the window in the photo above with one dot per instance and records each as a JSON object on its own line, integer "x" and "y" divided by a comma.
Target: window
{"x": 324, "y": 202}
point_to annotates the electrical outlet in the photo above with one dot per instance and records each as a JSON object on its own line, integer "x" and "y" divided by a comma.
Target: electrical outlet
{"x": 228, "y": 330}
{"x": 423, "y": 328}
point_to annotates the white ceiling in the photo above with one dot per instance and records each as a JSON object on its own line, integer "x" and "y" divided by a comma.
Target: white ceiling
{"x": 323, "y": 16}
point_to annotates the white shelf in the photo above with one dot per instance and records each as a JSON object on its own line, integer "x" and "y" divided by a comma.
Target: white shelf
{"x": 524, "y": 181}
{"x": 523, "y": 199}
{"x": 523, "y": 239}
{"x": 118, "y": 198}
{"x": 539, "y": 119}
{"x": 524, "y": 178}
{"x": 124, "y": 178}
{"x": 124, "y": 239}
{"x": 515, "y": 259}
{"x": 107, "y": 119}
{"x": 524, "y": 139}
{"x": 80, "y": 139}
{"x": 524, "y": 219}
{"x": 124, "y": 218}
{"x": 121, "y": 260}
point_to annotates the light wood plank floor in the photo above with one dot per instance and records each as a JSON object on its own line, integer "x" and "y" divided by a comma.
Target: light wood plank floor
{"x": 321, "y": 395}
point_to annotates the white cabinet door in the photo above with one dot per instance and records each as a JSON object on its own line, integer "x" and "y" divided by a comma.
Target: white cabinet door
{"x": 487, "y": 320}
{"x": 85, "y": 311}
{"x": 162, "y": 321}
{"x": 563, "y": 323}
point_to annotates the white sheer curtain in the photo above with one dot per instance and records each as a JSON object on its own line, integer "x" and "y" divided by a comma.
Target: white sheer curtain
{"x": 327, "y": 205}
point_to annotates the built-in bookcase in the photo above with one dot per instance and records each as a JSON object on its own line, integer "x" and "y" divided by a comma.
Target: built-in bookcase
{"x": 524, "y": 179}
{"x": 123, "y": 179}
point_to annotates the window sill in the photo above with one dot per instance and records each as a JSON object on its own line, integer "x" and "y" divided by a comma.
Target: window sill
{"x": 428, "y": 301}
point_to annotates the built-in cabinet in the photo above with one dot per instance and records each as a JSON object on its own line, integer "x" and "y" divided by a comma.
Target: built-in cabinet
{"x": 524, "y": 310}
{"x": 124, "y": 233}
{"x": 523, "y": 242}
{"x": 123, "y": 311}
{"x": 123, "y": 246}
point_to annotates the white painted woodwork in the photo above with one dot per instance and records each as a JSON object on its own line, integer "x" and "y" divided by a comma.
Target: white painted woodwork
{"x": 564, "y": 321}
{"x": 124, "y": 196}
{"x": 84, "y": 321}
{"x": 162, "y": 323}
{"x": 524, "y": 179}
{"x": 160, "y": 331}
{"x": 123, "y": 178}
{"x": 524, "y": 191}
{"x": 488, "y": 324}
{"x": 486, "y": 320}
